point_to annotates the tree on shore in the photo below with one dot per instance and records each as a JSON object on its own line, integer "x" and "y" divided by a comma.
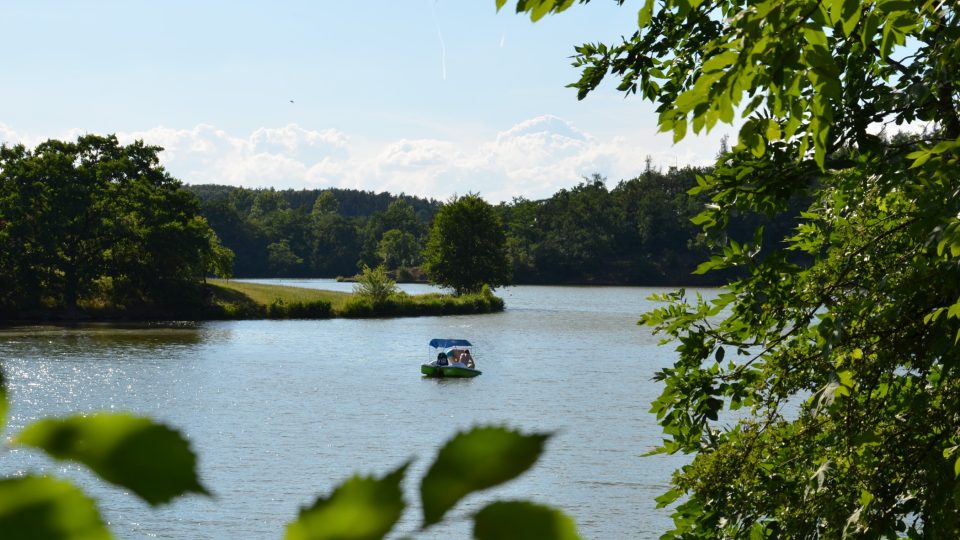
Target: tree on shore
{"x": 94, "y": 218}
{"x": 467, "y": 246}
{"x": 842, "y": 369}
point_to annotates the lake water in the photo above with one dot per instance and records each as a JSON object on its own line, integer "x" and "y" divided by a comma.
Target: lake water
{"x": 281, "y": 411}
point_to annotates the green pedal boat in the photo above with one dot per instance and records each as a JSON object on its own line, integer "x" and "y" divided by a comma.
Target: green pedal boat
{"x": 453, "y": 359}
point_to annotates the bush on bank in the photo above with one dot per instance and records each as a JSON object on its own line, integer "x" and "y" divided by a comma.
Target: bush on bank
{"x": 403, "y": 305}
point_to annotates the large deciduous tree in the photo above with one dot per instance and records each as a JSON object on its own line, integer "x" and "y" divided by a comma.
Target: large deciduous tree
{"x": 843, "y": 369}
{"x": 467, "y": 246}
{"x": 80, "y": 219}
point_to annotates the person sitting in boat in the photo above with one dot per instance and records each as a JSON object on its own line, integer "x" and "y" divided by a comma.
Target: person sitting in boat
{"x": 467, "y": 360}
{"x": 454, "y": 357}
{"x": 441, "y": 359}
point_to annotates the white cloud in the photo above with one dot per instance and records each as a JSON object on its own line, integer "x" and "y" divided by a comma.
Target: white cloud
{"x": 545, "y": 125}
{"x": 417, "y": 154}
{"x": 303, "y": 144}
{"x": 10, "y": 136}
{"x": 285, "y": 157}
{"x": 533, "y": 158}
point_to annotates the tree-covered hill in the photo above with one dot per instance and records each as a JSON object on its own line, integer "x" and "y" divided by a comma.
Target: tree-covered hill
{"x": 315, "y": 233}
{"x": 637, "y": 232}
{"x": 350, "y": 202}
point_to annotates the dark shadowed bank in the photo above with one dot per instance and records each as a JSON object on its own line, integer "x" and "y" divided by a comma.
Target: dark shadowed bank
{"x": 231, "y": 300}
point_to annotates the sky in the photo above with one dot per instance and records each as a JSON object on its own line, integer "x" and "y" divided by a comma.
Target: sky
{"x": 424, "y": 97}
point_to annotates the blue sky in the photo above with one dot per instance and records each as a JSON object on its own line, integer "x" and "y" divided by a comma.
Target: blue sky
{"x": 428, "y": 97}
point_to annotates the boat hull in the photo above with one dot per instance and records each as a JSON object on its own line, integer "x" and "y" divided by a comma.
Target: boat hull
{"x": 453, "y": 372}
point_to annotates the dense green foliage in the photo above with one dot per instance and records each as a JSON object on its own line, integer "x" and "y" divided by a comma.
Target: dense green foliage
{"x": 375, "y": 285}
{"x": 401, "y": 304}
{"x": 637, "y": 232}
{"x": 842, "y": 370}
{"x": 94, "y": 222}
{"x": 467, "y": 246}
{"x": 316, "y": 233}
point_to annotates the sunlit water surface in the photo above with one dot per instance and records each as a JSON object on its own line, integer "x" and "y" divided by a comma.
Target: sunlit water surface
{"x": 281, "y": 411}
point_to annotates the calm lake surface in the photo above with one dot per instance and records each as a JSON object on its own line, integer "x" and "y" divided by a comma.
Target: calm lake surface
{"x": 281, "y": 411}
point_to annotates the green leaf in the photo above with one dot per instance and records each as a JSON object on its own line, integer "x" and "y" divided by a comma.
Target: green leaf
{"x": 646, "y": 14}
{"x": 870, "y": 26}
{"x": 500, "y": 4}
{"x": 521, "y": 520}
{"x": 679, "y": 130}
{"x": 954, "y": 311}
{"x": 852, "y": 10}
{"x": 846, "y": 383}
{"x": 668, "y": 498}
{"x": 688, "y": 100}
{"x": 362, "y": 508}
{"x": 835, "y": 7}
{"x": 720, "y": 61}
{"x": 541, "y": 8}
{"x": 889, "y": 40}
{"x": 40, "y": 507}
{"x": 891, "y": 6}
{"x": 819, "y": 153}
{"x": 923, "y": 158}
{"x": 705, "y": 267}
{"x": 150, "y": 459}
{"x": 478, "y": 459}
{"x": 816, "y": 36}
{"x": 772, "y": 131}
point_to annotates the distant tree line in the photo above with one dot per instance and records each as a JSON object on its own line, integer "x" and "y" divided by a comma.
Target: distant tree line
{"x": 638, "y": 232}
{"x": 94, "y": 223}
{"x": 316, "y": 233}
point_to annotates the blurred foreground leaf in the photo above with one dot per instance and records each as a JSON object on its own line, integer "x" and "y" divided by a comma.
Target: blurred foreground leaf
{"x": 520, "y": 520}
{"x": 362, "y": 508}
{"x": 40, "y": 507}
{"x": 150, "y": 459}
{"x": 476, "y": 460}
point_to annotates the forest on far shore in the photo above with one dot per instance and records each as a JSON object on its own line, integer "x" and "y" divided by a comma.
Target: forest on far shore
{"x": 635, "y": 232}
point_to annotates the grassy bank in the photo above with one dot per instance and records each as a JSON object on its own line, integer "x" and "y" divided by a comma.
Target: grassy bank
{"x": 226, "y": 299}
{"x": 241, "y": 300}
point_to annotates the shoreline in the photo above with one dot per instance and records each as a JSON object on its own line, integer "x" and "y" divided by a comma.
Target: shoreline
{"x": 227, "y": 300}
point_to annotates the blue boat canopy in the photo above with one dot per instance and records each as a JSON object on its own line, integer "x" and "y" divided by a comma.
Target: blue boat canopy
{"x": 446, "y": 343}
